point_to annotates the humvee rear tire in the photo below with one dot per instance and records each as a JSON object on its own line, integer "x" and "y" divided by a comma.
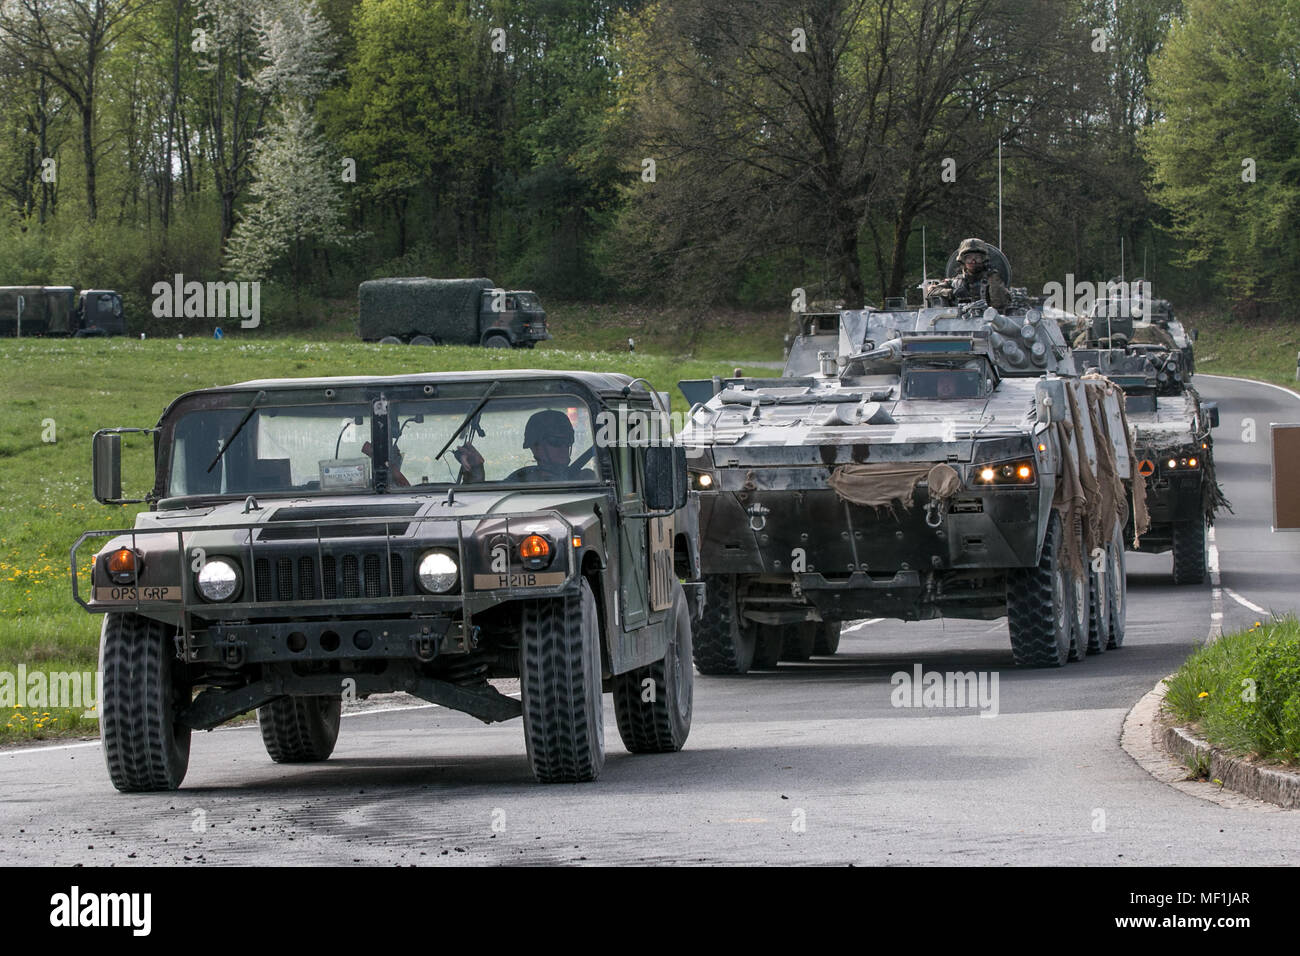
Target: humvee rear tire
{"x": 496, "y": 342}
{"x": 800, "y": 641}
{"x": 661, "y": 724}
{"x": 1189, "y": 551}
{"x": 300, "y": 729}
{"x": 144, "y": 747}
{"x": 1117, "y": 589}
{"x": 723, "y": 642}
{"x": 560, "y": 688}
{"x": 768, "y": 644}
{"x": 1038, "y": 606}
{"x": 828, "y": 638}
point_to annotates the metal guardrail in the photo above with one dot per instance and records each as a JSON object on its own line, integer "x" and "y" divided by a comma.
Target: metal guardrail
{"x": 190, "y": 600}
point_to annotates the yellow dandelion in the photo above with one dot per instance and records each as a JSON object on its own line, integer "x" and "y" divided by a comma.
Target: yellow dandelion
{"x": 1204, "y": 693}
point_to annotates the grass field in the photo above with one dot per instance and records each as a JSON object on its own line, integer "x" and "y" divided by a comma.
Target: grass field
{"x": 1265, "y": 351}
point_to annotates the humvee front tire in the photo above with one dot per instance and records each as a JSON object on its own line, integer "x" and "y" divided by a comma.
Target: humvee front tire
{"x": 723, "y": 642}
{"x": 1038, "y": 606}
{"x": 828, "y": 638}
{"x": 560, "y": 688}
{"x": 661, "y": 724}
{"x": 144, "y": 747}
{"x": 1189, "y": 551}
{"x": 300, "y": 729}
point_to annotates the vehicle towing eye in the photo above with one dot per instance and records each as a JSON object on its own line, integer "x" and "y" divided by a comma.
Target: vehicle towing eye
{"x": 934, "y": 513}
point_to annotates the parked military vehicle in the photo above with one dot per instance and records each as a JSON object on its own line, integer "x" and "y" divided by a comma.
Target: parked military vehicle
{"x": 282, "y": 565}
{"x": 941, "y": 462}
{"x": 1174, "y": 449}
{"x": 419, "y": 311}
{"x": 60, "y": 311}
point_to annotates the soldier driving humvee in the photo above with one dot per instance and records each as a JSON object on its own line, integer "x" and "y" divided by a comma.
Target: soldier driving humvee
{"x": 549, "y": 435}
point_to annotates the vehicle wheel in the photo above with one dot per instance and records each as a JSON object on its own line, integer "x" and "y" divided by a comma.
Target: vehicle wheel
{"x": 1078, "y": 593}
{"x": 767, "y": 646}
{"x": 723, "y": 643}
{"x": 421, "y": 340}
{"x": 144, "y": 747}
{"x": 659, "y": 725}
{"x": 560, "y": 688}
{"x": 1189, "y": 551}
{"x": 496, "y": 342}
{"x": 800, "y": 639}
{"x": 390, "y": 340}
{"x": 1117, "y": 589}
{"x": 1099, "y": 603}
{"x": 1038, "y": 606}
{"x": 828, "y": 638}
{"x": 300, "y": 729}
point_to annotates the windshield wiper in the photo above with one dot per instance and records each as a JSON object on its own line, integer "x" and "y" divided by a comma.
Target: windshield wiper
{"x": 225, "y": 446}
{"x": 468, "y": 418}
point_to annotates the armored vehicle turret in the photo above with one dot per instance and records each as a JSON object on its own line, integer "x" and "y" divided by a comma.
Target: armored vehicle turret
{"x": 940, "y": 462}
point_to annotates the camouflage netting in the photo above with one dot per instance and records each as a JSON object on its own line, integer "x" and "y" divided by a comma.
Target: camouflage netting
{"x": 446, "y": 310}
{"x": 1153, "y": 335}
{"x": 885, "y": 484}
{"x": 1212, "y": 496}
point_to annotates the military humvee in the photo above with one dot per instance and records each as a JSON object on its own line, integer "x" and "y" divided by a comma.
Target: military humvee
{"x": 939, "y": 462}
{"x": 1174, "y": 448}
{"x": 282, "y": 565}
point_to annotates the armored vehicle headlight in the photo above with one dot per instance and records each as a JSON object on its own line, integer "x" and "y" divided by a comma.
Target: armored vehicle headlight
{"x": 123, "y": 565}
{"x": 535, "y": 550}
{"x": 438, "y": 572}
{"x": 218, "y": 579}
{"x": 702, "y": 481}
{"x": 1006, "y": 473}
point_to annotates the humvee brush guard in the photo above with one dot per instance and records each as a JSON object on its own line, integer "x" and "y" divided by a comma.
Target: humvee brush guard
{"x": 284, "y": 565}
{"x": 946, "y": 462}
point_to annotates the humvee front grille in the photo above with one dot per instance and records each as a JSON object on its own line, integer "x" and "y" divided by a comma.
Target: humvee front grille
{"x": 346, "y": 576}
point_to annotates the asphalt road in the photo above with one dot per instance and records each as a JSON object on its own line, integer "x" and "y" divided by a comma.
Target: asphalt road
{"x": 807, "y": 764}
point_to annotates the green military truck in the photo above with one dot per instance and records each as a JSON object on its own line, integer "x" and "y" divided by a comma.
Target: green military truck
{"x": 60, "y": 311}
{"x": 282, "y": 565}
{"x": 420, "y": 311}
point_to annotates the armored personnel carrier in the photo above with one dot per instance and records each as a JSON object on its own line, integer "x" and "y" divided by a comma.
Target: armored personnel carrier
{"x": 1174, "y": 449}
{"x": 941, "y": 462}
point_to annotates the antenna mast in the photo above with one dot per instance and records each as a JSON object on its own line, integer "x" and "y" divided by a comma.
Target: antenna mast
{"x": 999, "y": 192}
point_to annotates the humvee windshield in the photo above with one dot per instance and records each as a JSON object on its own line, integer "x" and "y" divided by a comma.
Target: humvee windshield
{"x": 965, "y": 379}
{"x": 327, "y": 449}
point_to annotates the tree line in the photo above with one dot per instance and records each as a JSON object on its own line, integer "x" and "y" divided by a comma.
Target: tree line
{"x": 693, "y": 152}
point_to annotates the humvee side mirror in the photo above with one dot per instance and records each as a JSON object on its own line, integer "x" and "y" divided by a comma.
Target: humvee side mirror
{"x": 665, "y": 477}
{"x": 106, "y": 462}
{"x": 106, "y": 466}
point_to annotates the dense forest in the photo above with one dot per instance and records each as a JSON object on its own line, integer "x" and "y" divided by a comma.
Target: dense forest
{"x": 693, "y": 152}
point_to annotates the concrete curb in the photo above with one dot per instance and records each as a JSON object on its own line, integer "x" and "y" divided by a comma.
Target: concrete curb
{"x": 1167, "y": 752}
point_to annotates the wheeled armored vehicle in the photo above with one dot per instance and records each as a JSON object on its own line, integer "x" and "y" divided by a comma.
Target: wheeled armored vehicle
{"x": 283, "y": 565}
{"x": 940, "y": 462}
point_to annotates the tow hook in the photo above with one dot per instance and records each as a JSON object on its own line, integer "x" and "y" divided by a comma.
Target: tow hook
{"x": 424, "y": 647}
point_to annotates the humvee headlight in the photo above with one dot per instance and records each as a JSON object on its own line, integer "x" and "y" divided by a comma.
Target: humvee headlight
{"x": 218, "y": 579}
{"x": 535, "y": 551}
{"x": 1172, "y": 463}
{"x": 1006, "y": 473}
{"x": 437, "y": 572}
{"x": 123, "y": 565}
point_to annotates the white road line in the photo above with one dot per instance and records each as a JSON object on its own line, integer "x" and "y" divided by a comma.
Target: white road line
{"x": 34, "y": 750}
{"x": 1216, "y": 589}
{"x": 1244, "y": 603}
{"x": 1251, "y": 381}
{"x": 874, "y": 620}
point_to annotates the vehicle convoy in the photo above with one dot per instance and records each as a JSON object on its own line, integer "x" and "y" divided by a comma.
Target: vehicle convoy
{"x": 60, "y": 311}
{"x": 282, "y": 565}
{"x": 1174, "y": 449}
{"x": 940, "y": 462}
{"x": 420, "y": 311}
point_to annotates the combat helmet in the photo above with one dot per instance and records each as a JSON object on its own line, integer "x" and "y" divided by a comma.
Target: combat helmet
{"x": 972, "y": 245}
{"x": 548, "y": 423}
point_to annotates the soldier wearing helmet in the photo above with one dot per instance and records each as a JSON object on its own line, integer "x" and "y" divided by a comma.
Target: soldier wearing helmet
{"x": 549, "y": 435}
{"x": 976, "y": 280}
